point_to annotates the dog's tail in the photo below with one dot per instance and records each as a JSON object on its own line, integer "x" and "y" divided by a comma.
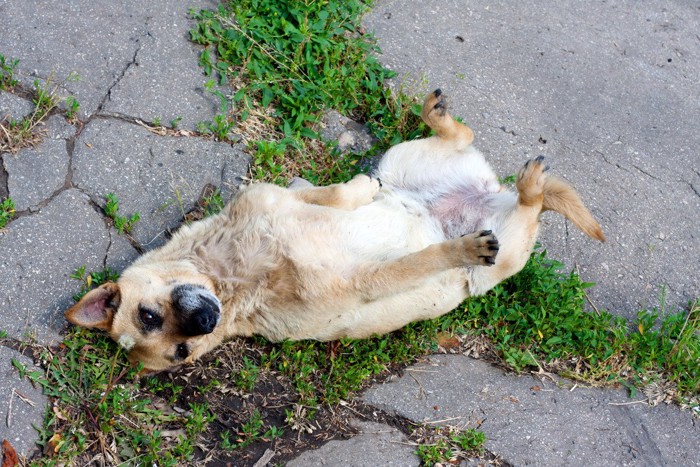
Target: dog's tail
{"x": 561, "y": 197}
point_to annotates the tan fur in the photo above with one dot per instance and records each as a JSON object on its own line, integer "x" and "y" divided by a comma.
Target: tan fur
{"x": 351, "y": 259}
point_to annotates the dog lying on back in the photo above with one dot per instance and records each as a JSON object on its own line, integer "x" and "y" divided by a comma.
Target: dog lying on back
{"x": 347, "y": 260}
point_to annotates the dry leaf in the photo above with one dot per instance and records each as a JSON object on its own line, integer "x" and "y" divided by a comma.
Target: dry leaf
{"x": 447, "y": 341}
{"x": 53, "y": 445}
{"x": 9, "y": 455}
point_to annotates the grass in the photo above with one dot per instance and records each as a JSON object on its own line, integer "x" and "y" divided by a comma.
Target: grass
{"x": 27, "y": 131}
{"x": 7, "y": 212}
{"x": 100, "y": 414}
{"x": 440, "y": 445}
{"x": 123, "y": 224}
{"x": 285, "y": 63}
{"x": 267, "y": 394}
{"x": 7, "y": 73}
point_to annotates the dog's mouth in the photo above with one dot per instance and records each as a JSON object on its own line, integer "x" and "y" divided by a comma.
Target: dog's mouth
{"x": 198, "y": 309}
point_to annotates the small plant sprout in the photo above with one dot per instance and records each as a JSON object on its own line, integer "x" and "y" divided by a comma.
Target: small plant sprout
{"x": 123, "y": 224}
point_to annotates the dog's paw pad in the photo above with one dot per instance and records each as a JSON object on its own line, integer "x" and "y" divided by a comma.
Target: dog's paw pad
{"x": 482, "y": 247}
{"x": 487, "y": 247}
{"x": 532, "y": 172}
{"x": 435, "y": 104}
{"x": 441, "y": 105}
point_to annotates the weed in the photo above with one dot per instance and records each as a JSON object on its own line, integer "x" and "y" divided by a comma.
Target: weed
{"x": 175, "y": 122}
{"x": 73, "y": 107}
{"x": 123, "y": 224}
{"x": 246, "y": 377}
{"x": 213, "y": 203}
{"x": 220, "y": 127}
{"x": 288, "y": 63}
{"x": 7, "y": 73}
{"x": 17, "y": 134}
{"x": 447, "y": 444}
{"x": 249, "y": 432}
{"x": 7, "y": 212}
{"x": 88, "y": 281}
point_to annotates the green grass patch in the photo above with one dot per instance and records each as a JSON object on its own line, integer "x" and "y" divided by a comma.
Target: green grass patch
{"x": 100, "y": 414}
{"x": 287, "y": 61}
{"x": 7, "y": 212}
{"x": 447, "y": 445}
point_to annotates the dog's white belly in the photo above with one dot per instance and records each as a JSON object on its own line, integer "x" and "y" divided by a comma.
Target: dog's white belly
{"x": 390, "y": 227}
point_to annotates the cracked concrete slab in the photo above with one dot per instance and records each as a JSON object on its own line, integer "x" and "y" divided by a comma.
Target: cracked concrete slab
{"x": 160, "y": 177}
{"x": 373, "y": 442}
{"x": 21, "y": 404}
{"x": 607, "y": 94}
{"x": 162, "y": 84}
{"x": 96, "y": 41}
{"x": 14, "y": 107}
{"x": 37, "y": 255}
{"x": 35, "y": 174}
{"x": 532, "y": 421}
{"x": 103, "y": 43}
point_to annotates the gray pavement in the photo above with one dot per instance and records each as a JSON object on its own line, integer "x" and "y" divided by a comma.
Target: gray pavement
{"x": 608, "y": 92}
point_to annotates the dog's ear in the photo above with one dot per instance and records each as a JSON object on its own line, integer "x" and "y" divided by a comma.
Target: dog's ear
{"x": 96, "y": 309}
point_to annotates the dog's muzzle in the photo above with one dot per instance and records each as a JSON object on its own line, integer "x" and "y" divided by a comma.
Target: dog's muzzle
{"x": 196, "y": 308}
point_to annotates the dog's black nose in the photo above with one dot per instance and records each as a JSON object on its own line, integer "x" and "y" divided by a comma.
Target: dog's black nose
{"x": 196, "y": 308}
{"x": 202, "y": 322}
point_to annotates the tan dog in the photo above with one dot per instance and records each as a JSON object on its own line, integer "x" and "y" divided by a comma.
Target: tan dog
{"x": 351, "y": 259}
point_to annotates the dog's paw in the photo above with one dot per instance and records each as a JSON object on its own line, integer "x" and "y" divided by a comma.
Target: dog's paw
{"x": 364, "y": 188}
{"x": 481, "y": 248}
{"x": 530, "y": 181}
{"x": 436, "y": 102}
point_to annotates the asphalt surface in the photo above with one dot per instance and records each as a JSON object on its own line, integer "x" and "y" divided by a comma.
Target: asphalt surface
{"x": 609, "y": 92}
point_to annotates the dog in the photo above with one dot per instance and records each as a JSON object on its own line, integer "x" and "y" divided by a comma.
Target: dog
{"x": 431, "y": 227}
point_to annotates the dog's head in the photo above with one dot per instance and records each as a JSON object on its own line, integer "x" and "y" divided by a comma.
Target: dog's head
{"x": 162, "y": 320}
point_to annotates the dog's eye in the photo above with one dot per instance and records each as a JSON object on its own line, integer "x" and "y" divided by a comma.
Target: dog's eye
{"x": 149, "y": 318}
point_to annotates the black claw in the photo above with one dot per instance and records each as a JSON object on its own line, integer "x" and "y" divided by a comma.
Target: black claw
{"x": 494, "y": 247}
{"x": 546, "y": 168}
{"x": 484, "y": 233}
{"x": 539, "y": 158}
{"x": 492, "y": 242}
{"x": 437, "y": 92}
{"x": 439, "y": 105}
{"x": 489, "y": 259}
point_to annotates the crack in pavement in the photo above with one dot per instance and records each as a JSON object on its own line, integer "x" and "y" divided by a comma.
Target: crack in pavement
{"x": 692, "y": 187}
{"x": 121, "y": 75}
{"x": 648, "y": 174}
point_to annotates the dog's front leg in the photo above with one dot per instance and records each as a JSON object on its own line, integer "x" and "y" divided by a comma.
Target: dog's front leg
{"x": 394, "y": 276}
{"x": 348, "y": 196}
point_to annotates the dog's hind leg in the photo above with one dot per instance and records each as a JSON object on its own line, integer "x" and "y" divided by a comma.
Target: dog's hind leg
{"x": 435, "y": 115}
{"x": 516, "y": 223}
{"x": 348, "y": 196}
